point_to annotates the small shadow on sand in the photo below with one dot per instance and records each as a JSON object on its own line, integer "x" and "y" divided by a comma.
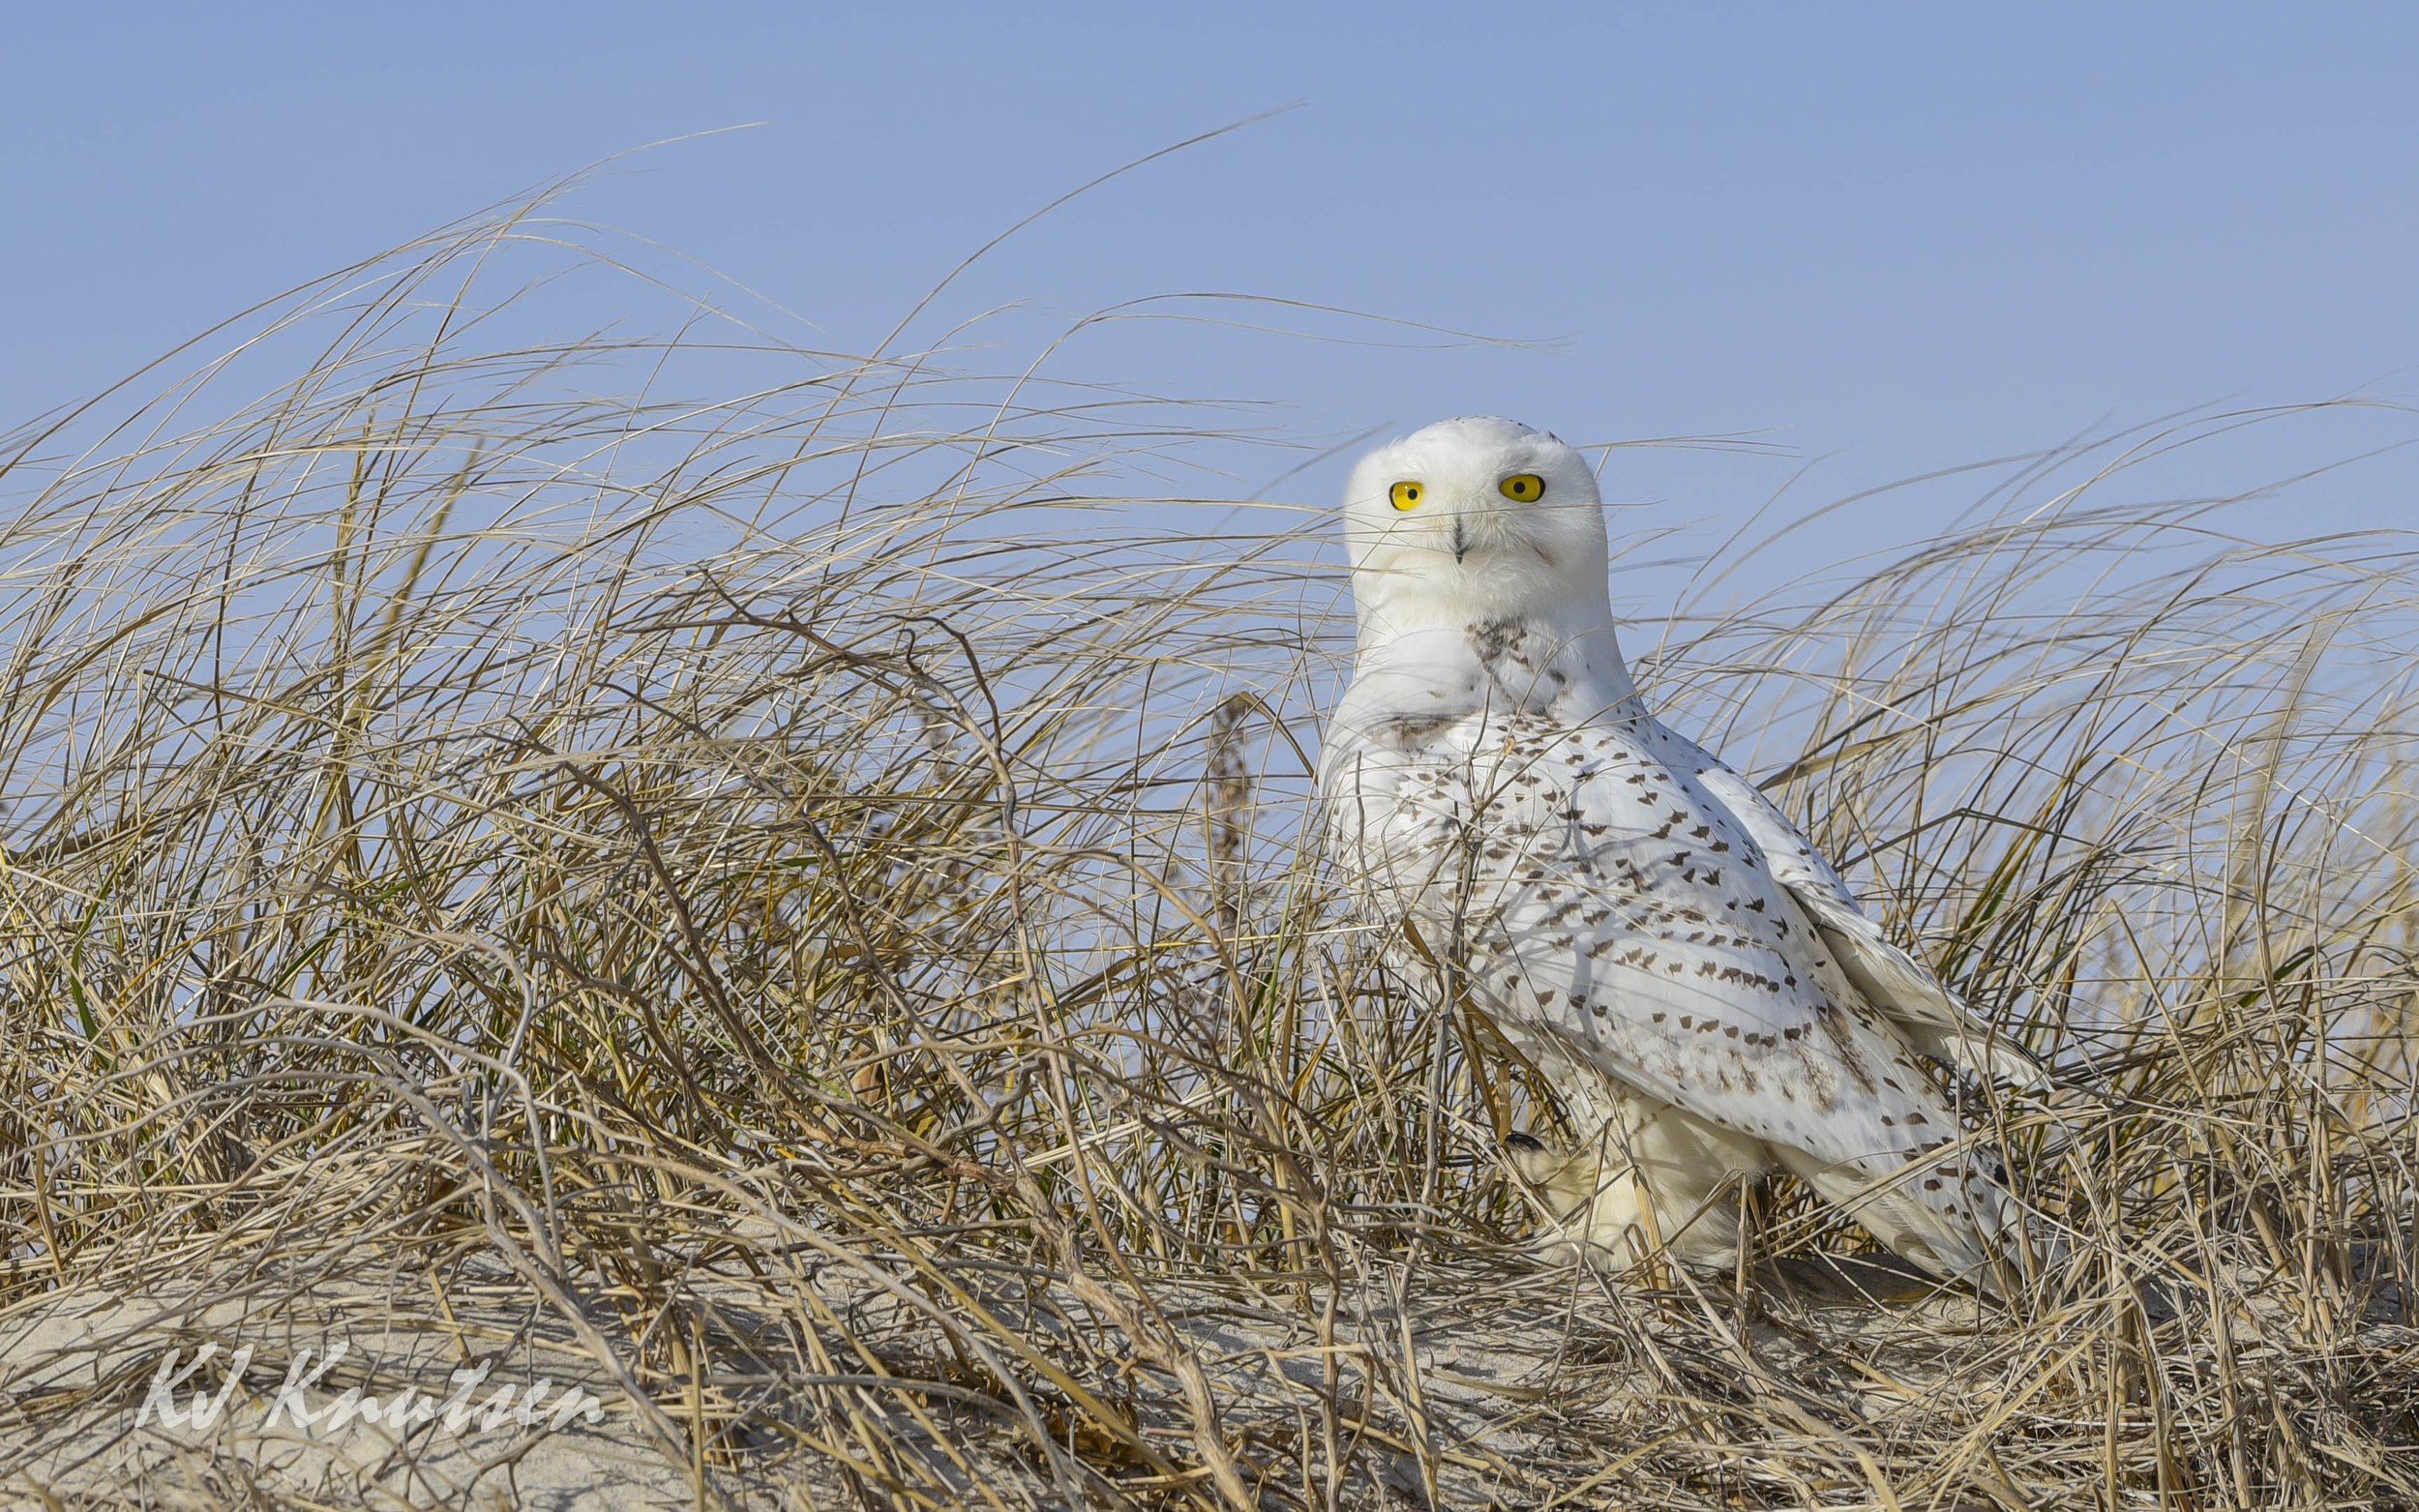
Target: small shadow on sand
{"x": 1833, "y": 1279}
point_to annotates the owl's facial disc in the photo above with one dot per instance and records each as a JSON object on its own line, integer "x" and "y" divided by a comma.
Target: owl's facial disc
{"x": 1485, "y": 512}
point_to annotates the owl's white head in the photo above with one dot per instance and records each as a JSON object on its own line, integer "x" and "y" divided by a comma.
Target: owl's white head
{"x": 1475, "y": 520}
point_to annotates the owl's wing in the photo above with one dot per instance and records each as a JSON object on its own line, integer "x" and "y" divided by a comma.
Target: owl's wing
{"x": 1596, "y": 893}
{"x": 1907, "y": 992}
{"x": 1607, "y": 896}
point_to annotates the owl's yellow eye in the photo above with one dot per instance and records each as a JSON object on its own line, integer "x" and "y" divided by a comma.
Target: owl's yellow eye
{"x": 1526, "y": 486}
{"x": 1406, "y": 495}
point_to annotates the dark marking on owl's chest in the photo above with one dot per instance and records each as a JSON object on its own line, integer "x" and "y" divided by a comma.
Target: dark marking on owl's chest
{"x": 1519, "y": 661}
{"x": 1405, "y": 731}
{"x": 1495, "y": 641}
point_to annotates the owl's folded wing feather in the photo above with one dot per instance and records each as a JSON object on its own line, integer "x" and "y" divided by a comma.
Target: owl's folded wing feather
{"x": 1908, "y": 993}
{"x": 1609, "y": 896}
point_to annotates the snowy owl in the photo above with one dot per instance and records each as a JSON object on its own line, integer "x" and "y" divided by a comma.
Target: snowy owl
{"x": 1639, "y": 921}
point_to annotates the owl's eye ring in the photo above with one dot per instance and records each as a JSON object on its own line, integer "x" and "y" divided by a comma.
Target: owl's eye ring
{"x": 1406, "y": 495}
{"x": 1526, "y": 488}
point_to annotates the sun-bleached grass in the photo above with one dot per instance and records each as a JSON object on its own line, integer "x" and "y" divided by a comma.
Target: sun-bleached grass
{"x": 791, "y": 867}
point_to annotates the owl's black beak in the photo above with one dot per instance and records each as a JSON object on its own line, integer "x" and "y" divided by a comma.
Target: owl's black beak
{"x": 1459, "y": 544}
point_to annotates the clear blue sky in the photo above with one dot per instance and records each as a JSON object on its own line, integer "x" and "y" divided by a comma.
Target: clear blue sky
{"x": 1897, "y": 238}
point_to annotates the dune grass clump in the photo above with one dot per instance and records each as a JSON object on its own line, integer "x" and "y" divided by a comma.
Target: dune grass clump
{"x": 788, "y": 874}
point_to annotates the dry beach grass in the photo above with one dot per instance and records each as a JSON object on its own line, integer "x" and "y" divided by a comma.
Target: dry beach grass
{"x": 773, "y": 880}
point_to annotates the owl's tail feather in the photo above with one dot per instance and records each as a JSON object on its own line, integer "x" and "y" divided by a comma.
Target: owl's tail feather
{"x": 1940, "y": 1213}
